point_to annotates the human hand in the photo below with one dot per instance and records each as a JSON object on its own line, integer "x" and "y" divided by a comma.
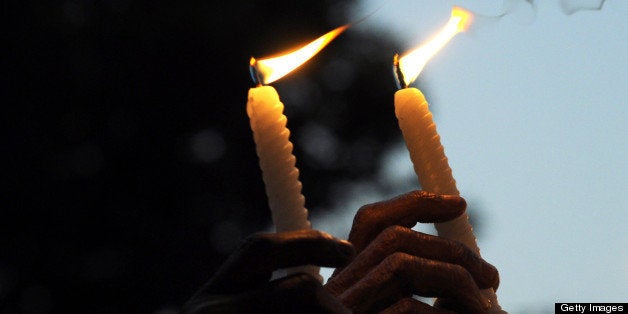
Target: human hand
{"x": 395, "y": 262}
{"x": 242, "y": 284}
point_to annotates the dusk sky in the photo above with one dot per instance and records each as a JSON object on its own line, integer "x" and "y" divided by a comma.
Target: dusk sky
{"x": 531, "y": 109}
{"x": 132, "y": 172}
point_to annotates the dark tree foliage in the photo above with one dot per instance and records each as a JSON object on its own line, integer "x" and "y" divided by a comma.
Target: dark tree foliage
{"x": 129, "y": 164}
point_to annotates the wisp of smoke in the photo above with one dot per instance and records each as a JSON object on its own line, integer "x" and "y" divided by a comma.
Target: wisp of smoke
{"x": 567, "y": 6}
{"x": 572, "y": 6}
{"x": 525, "y": 11}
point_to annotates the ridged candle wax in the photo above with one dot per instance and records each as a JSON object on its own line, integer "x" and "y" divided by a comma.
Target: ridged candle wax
{"x": 432, "y": 167}
{"x": 278, "y": 164}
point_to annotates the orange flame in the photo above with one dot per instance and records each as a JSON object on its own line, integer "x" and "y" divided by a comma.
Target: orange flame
{"x": 412, "y": 63}
{"x": 271, "y": 69}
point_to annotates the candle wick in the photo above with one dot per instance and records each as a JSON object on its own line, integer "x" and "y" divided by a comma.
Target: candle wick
{"x": 255, "y": 75}
{"x": 399, "y": 79}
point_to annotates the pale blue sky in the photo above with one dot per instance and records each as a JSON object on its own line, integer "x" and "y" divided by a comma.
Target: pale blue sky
{"x": 531, "y": 109}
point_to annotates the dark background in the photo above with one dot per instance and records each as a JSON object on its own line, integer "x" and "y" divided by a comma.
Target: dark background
{"x": 129, "y": 164}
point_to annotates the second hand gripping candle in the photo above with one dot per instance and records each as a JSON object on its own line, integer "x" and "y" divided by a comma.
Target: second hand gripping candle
{"x": 419, "y": 132}
{"x": 272, "y": 142}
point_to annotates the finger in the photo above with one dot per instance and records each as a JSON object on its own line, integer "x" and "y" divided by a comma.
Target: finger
{"x": 389, "y": 300}
{"x": 405, "y": 210}
{"x": 447, "y": 304}
{"x": 401, "y": 272}
{"x": 410, "y": 305}
{"x": 450, "y": 305}
{"x": 300, "y": 293}
{"x": 260, "y": 254}
{"x": 401, "y": 239}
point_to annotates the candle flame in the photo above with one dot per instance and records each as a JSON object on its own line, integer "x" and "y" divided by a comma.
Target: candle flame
{"x": 412, "y": 63}
{"x": 266, "y": 71}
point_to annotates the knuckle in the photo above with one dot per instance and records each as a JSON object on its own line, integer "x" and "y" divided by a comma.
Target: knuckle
{"x": 397, "y": 263}
{"x": 365, "y": 212}
{"x": 460, "y": 275}
{"x": 366, "y": 216}
{"x": 460, "y": 251}
{"x": 464, "y": 256}
{"x": 394, "y": 236}
{"x": 393, "y": 232}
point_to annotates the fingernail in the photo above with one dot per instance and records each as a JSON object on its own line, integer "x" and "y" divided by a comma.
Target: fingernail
{"x": 454, "y": 201}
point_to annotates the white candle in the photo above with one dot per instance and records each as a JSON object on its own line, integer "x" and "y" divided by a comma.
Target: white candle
{"x": 278, "y": 165}
{"x": 274, "y": 149}
{"x": 422, "y": 140}
{"x": 428, "y": 158}
{"x": 272, "y": 143}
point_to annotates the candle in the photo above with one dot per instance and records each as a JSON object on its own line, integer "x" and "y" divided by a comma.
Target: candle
{"x": 272, "y": 143}
{"x": 274, "y": 149}
{"x": 422, "y": 140}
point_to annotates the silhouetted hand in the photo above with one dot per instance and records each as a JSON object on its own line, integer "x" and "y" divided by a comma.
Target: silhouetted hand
{"x": 395, "y": 262}
{"x": 242, "y": 284}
